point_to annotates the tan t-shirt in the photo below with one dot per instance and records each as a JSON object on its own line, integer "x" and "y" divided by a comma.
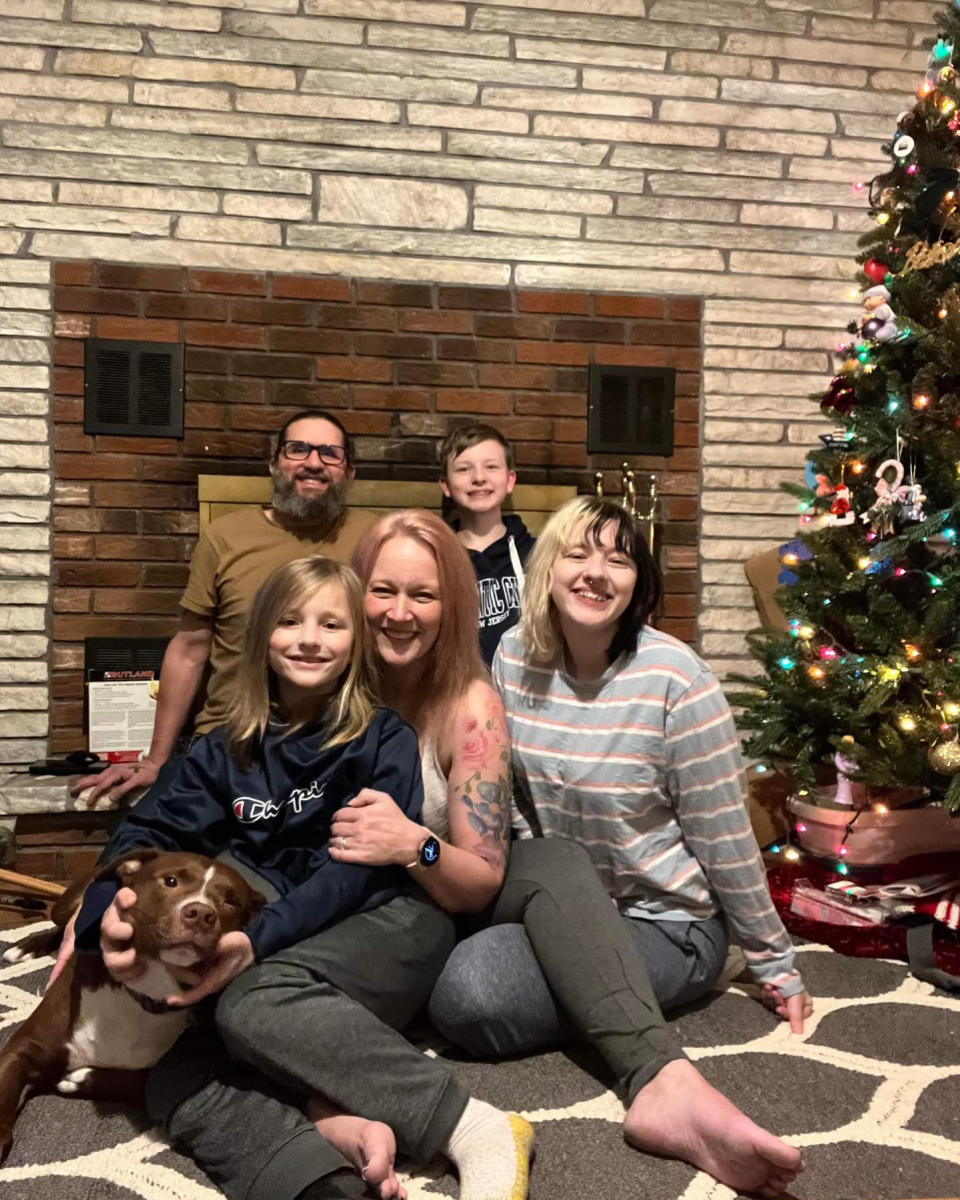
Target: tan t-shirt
{"x": 234, "y": 556}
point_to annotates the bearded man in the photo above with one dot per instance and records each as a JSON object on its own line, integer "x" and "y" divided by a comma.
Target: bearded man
{"x": 312, "y": 468}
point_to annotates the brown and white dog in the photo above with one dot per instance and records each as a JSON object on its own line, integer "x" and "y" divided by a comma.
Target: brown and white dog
{"x": 91, "y": 1036}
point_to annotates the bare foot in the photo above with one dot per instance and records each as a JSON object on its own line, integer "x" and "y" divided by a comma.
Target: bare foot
{"x": 679, "y": 1115}
{"x": 369, "y": 1145}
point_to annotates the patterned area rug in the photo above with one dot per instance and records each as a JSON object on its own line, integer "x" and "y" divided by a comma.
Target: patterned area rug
{"x": 871, "y": 1093}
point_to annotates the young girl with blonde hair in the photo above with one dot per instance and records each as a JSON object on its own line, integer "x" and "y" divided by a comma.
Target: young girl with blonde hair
{"x": 340, "y": 956}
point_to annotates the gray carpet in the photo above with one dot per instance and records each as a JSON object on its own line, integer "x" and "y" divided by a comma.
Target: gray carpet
{"x": 871, "y": 1093}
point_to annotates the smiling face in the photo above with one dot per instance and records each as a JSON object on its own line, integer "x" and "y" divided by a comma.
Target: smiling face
{"x": 592, "y": 582}
{"x": 402, "y": 602}
{"x": 309, "y": 489}
{"x": 310, "y": 646}
{"x": 478, "y": 479}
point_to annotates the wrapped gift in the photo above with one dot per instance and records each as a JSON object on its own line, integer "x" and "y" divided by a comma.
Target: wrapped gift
{"x": 833, "y": 908}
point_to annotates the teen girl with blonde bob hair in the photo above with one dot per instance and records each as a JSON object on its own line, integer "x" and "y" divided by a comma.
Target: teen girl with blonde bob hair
{"x": 339, "y": 957}
{"x": 625, "y": 756}
{"x": 577, "y": 521}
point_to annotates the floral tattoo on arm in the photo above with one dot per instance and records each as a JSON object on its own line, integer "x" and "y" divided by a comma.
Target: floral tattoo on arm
{"x": 488, "y": 812}
{"x": 487, "y": 801}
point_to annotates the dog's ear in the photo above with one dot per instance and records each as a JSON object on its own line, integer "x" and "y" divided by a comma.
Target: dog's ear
{"x": 125, "y": 867}
{"x": 250, "y": 900}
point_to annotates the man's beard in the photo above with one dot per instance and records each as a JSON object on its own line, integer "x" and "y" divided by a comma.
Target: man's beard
{"x": 326, "y": 508}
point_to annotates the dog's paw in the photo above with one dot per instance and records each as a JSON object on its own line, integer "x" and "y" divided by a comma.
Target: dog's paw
{"x": 35, "y": 945}
{"x": 73, "y": 1081}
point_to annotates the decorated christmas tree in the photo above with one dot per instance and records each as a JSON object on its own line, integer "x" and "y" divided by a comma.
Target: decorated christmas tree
{"x": 868, "y": 676}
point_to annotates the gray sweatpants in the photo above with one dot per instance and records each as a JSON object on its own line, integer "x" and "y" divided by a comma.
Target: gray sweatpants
{"x": 320, "y": 1016}
{"x": 559, "y": 961}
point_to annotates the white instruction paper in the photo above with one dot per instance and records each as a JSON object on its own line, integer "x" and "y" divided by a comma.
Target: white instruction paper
{"x": 121, "y": 713}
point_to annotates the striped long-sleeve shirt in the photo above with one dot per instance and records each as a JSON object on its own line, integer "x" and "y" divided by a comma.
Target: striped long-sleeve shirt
{"x": 642, "y": 767}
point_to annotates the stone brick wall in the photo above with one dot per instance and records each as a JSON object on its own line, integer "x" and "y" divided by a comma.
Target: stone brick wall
{"x": 655, "y": 147}
{"x": 398, "y": 362}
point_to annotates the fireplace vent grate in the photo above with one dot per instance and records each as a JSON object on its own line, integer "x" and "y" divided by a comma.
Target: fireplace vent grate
{"x": 631, "y": 410}
{"x": 134, "y": 389}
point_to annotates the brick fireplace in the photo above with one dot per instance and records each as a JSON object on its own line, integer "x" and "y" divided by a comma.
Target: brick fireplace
{"x": 400, "y": 363}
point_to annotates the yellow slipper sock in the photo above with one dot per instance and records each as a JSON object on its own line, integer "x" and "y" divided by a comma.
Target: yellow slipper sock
{"x": 491, "y": 1151}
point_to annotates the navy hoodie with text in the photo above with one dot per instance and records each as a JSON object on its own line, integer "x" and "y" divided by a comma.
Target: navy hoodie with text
{"x": 274, "y": 817}
{"x": 498, "y": 587}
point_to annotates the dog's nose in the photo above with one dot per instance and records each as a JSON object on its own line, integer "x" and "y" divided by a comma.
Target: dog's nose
{"x": 198, "y": 915}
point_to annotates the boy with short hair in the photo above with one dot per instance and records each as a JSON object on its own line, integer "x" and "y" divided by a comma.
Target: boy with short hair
{"x": 477, "y": 475}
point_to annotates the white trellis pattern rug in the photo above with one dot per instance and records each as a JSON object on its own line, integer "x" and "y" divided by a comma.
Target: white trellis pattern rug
{"x": 871, "y": 1092}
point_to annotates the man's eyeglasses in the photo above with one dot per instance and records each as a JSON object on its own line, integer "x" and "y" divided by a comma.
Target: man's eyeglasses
{"x": 298, "y": 451}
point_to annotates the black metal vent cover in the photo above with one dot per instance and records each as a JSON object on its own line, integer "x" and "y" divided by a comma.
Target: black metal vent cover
{"x": 631, "y": 410}
{"x": 133, "y": 388}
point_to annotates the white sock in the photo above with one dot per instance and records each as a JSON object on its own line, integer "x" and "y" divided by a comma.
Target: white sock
{"x": 491, "y": 1151}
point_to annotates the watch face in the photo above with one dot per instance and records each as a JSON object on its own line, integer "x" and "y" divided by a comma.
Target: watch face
{"x": 430, "y": 852}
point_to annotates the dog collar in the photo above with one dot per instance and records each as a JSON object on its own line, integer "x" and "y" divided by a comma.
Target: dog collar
{"x": 148, "y": 1003}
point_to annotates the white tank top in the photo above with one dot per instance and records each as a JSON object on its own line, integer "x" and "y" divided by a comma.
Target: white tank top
{"x": 434, "y": 793}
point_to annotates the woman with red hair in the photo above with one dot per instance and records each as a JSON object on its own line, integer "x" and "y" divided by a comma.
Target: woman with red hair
{"x": 421, "y": 605}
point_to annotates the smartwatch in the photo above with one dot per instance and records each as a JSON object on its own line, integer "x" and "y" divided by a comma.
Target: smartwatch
{"x": 428, "y": 853}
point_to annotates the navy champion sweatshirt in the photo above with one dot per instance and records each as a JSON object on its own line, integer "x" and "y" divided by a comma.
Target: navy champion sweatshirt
{"x": 275, "y": 818}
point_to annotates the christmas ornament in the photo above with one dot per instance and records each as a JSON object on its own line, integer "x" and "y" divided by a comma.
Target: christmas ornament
{"x": 903, "y": 146}
{"x": 845, "y": 768}
{"x": 879, "y": 566}
{"x": 912, "y": 507}
{"x": 945, "y": 757}
{"x": 890, "y": 493}
{"x": 841, "y": 510}
{"x": 795, "y": 551}
{"x": 791, "y": 553}
{"x": 890, "y": 490}
{"x": 878, "y": 321}
{"x": 875, "y": 270}
{"x": 839, "y": 439}
{"x": 839, "y": 396}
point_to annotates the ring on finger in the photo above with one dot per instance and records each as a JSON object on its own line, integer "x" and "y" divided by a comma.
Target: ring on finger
{"x": 342, "y": 843}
